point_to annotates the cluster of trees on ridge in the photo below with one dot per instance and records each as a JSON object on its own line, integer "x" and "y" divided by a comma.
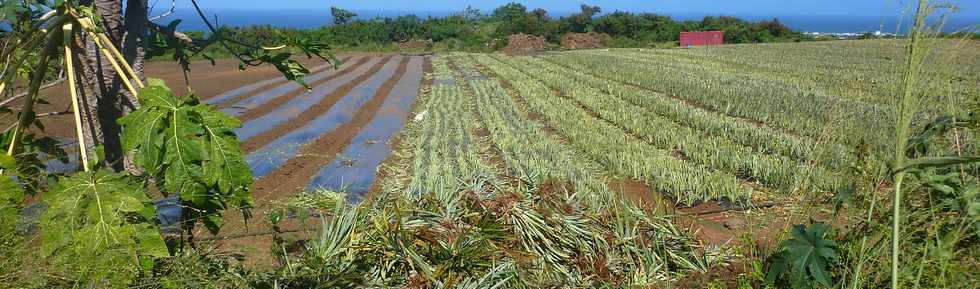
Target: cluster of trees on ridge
{"x": 473, "y": 30}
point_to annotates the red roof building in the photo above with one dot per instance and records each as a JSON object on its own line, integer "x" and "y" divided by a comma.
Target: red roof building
{"x": 702, "y": 38}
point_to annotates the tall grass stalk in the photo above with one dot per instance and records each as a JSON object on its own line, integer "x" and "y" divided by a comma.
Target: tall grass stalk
{"x": 907, "y": 107}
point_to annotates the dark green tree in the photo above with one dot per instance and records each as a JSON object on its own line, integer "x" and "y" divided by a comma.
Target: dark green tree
{"x": 341, "y": 16}
{"x": 582, "y": 21}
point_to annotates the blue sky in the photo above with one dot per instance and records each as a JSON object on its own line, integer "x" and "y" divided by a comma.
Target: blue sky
{"x": 970, "y": 8}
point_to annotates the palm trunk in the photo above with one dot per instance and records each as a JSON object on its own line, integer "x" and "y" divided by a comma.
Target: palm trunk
{"x": 103, "y": 97}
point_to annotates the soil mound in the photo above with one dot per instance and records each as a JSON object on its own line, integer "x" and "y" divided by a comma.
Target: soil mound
{"x": 415, "y": 45}
{"x": 523, "y": 44}
{"x": 590, "y": 40}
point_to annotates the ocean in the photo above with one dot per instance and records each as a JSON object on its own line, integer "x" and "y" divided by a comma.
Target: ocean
{"x": 319, "y": 18}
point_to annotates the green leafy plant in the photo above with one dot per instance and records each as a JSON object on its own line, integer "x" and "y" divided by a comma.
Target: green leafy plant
{"x": 805, "y": 257}
{"x": 189, "y": 149}
{"x": 100, "y": 226}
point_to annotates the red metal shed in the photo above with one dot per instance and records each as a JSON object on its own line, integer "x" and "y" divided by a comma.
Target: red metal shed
{"x": 702, "y": 38}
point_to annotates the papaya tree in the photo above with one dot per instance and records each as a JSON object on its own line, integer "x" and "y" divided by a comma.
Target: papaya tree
{"x": 133, "y": 132}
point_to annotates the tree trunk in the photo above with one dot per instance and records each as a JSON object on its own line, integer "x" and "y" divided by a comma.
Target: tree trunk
{"x": 104, "y": 98}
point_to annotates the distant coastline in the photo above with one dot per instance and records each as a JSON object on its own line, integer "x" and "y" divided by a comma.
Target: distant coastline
{"x": 318, "y": 18}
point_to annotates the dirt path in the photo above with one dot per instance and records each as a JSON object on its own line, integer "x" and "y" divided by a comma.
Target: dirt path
{"x": 295, "y": 174}
{"x": 312, "y": 112}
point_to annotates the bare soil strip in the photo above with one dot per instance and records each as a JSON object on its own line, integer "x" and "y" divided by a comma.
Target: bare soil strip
{"x": 279, "y": 101}
{"x": 309, "y": 114}
{"x": 295, "y": 174}
{"x": 354, "y": 170}
{"x": 254, "y": 87}
{"x": 290, "y": 110}
{"x": 263, "y": 96}
{"x": 386, "y": 165}
{"x": 224, "y": 103}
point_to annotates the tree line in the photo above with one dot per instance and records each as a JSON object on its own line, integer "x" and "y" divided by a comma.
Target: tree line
{"x": 475, "y": 30}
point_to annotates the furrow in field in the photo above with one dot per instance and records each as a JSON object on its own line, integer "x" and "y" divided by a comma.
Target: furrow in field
{"x": 270, "y": 157}
{"x": 238, "y": 94}
{"x": 702, "y": 68}
{"x": 525, "y": 147}
{"x": 607, "y": 77}
{"x": 637, "y": 192}
{"x": 355, "y": 169}
{"x": 396, "y": 167}
{"x": 331, "y": 132}
{"x": 762, "y": 139}
{"x": 493, "y": 154}
{"x": 441, "y": 150}
{"x": 617, "y": 150}
{"x": 320, "y": 84}
{"x": 296, "y": 113}
{"x": 793, "y": 109}
{"x": 771, "y": 68}
{"x": 256, "y": 107}
{"x": 717, "y": 152}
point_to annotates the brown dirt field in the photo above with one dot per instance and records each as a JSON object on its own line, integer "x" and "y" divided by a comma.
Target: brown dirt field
{"x": 295, "y": 174}
{"x": 383, "y": 172}
{"x": 234, "y": 100}
{"x": 310, "y": 113}
{"x": 206, "y": 81}
{"x": 278, "y": 101}
{"x": 641, "y": 195}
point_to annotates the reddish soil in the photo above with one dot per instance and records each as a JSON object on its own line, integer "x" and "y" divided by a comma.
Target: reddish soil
{"x": 256, "y": 241}
{"x": 243, "y": 96}
{"x": 310, "y": 113}
{"x": 641, "y": 195}
{"x": 591, "y": 40}
{"x": 383, "y": 172}
{"x": 295, "y": 174}
{"x": 524, "y": 43}
{"x": 279, "y": 101}
{"x": 206, "y": 81}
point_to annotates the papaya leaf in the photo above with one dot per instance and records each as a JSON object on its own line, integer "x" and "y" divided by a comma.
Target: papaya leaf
{"x": 190, "y": 149}
{"x": 100, "y": 225}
